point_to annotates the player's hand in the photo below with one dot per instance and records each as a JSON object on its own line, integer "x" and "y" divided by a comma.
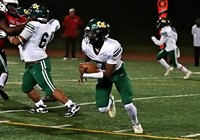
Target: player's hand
{"x": 82, "y": 70}
{"x": 2, "y": 34}
{"x": 153, "y": 38}
{"x": 81, "y": 79}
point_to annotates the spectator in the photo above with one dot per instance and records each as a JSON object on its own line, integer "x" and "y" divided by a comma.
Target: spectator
{"x": 196, "y": 41}
{"x": 71, "y": 26}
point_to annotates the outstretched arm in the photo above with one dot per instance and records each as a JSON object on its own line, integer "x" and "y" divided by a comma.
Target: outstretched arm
{"x": 159, "y": 42}
{"x": 11, "y": 30}
{"x": 16, "y": 40}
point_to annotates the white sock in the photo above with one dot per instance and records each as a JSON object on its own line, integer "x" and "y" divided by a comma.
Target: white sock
{"x": 132, "y": 113}
{"x": 40, "y": 103}
{"x": 182, "y": 68}
{"x": 164, "y": 63}
{"x": 3, "y": 79}
{"x": 68, "y": 103}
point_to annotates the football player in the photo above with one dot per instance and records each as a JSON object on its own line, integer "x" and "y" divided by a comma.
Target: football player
{"x": 7, "y": 17}
{"x": 34, "y": 39}
{"x": 168, "y": 37}
{"x": 107, "y": 53}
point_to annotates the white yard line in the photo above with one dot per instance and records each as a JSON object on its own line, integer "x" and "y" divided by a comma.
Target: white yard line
{"x": 92, "y": 103}
{"x": 61, "y": 126}
{"x": 191, "y": 135}
{"x": 195, "y": 72}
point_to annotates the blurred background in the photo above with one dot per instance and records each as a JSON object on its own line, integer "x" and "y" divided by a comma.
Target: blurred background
{"x": 132, "y": 21}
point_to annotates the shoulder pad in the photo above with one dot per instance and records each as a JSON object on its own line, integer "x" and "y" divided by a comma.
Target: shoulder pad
{"x": 55, "y": 23}
{"x": 166, "y": 30}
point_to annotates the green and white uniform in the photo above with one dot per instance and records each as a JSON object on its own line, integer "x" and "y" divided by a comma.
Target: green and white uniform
{"x": 110, "y": 53}
{"x": 38, "y": 65}
{"x": 168, "y": 38}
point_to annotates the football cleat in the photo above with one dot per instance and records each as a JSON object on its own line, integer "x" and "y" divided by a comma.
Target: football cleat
{"x": 72, "y": 110}
{"x": 168, "y": 71}
{"x": 40, "y": 109}
{"x": 187, "y": 75}
{"x": 3, "y": 94}
{"x": 112, "y": 110}
{"x": 137, "y": 128}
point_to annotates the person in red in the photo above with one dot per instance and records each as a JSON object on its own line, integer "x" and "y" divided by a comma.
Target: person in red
{"x": 71, "y": 26}
{"x": 8, "y": 17}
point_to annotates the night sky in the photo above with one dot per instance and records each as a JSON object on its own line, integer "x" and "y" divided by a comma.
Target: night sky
{"x": 130, "y": 20}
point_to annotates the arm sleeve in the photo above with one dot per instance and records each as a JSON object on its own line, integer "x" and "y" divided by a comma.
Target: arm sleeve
{"x": 159, "y": 42}
{"x": 28, "y": 31}
{"x": 97, "y": 75}
{"x": 55, "y": 23}
{"x": 116, "y": 55}
{"x": 192, "y": 31}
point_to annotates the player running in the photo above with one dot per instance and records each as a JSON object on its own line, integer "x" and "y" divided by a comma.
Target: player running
{"x": 106, "y": 52}
{"x": 34, "y": 39}
{"x": 168, "y": 38}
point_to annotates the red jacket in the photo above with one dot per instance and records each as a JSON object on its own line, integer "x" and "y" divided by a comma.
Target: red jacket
{"x": 71, "y": 26}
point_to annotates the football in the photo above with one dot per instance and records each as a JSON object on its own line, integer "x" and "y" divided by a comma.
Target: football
{"x": 88, "y": 67}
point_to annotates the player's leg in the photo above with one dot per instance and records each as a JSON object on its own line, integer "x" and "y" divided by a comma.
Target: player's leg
{"x": 28, "y": 83}
{"x": 124, "y": 87}
{"x": 3, "y": 74}
{"x": 102, "y": 96}
{"x": 160, "y": 57}
{"x": 67, "y": 48}
{"x": 44, "y": 80}
{"x": 179, "y": 66}
{"x": 73, "y": 48}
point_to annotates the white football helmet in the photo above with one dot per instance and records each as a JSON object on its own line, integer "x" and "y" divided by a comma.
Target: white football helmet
{"x": 10, "y": 1}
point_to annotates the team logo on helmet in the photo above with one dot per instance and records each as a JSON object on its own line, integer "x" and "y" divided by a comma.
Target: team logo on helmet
{"x": 40, "y": 13}
{"x": 96, "y": 30}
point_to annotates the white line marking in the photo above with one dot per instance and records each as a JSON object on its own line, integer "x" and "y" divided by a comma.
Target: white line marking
{"x": 192, "y": 135}
{"x": 13, "y": 63}
{"x": 93, "y": 81}
{"x": 195, "y": 72}
{"x": 126, "y": 130}
{"x": 61, "y": 126}
{"x": 5, "y": 121}
{"x": 92, "y": 103}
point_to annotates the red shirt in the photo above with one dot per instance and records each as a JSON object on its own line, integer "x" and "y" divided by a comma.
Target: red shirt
{"x": 12, "y": 22}
{"x": 71, "y": 26}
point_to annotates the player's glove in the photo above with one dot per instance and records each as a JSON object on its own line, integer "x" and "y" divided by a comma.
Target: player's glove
{"x": 2, "y": 34}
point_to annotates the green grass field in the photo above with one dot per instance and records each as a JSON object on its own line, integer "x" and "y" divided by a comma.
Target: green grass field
{"x": 168, "y": 107}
